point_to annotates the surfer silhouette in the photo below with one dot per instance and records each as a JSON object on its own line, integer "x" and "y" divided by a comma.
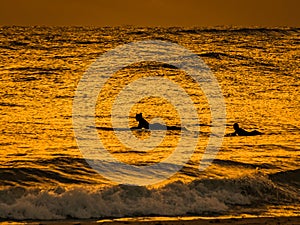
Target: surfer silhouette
{"x": 155, "y": 126}
{"x": 241, "y": 132}
{"x": 142, "y": 122}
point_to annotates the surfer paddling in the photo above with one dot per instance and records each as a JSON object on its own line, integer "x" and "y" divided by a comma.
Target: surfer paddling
{"x": 241, "y": 132}
{"x": 144, "y": 124}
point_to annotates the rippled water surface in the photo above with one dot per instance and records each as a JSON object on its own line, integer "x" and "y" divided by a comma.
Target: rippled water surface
{"x": 43, "y": 174}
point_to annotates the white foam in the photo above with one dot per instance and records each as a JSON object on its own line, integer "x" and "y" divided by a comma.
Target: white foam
{"x": 202, "y": 197}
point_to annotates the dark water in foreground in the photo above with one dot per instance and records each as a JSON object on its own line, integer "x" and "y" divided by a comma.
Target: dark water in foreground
{"x": 43, "y": 174}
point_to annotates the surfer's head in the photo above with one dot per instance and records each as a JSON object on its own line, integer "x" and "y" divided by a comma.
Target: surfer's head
{"x": 236, "y": 126}
{"x": 138, "y": 116}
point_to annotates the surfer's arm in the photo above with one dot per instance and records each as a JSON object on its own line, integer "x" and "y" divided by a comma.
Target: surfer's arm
{"x": 139, "y": 126}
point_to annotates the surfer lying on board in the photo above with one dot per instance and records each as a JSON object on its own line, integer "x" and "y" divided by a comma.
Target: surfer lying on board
{"x": 241, "y": 132}
{"x": 143, "y": 124}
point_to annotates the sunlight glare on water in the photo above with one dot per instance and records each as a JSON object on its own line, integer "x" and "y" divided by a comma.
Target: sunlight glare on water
{"x": 257, "y": 70}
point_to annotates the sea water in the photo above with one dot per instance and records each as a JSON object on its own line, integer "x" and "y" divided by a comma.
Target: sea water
{"x": 44, "y": 176}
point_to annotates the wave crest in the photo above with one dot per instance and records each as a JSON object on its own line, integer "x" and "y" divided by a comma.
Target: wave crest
{"x": 200, "y": 197}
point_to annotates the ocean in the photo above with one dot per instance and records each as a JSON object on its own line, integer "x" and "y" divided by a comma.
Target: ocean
{"x": 44, "y": 175}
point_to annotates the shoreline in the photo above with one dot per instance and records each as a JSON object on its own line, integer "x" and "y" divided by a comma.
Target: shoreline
{"x": 287, "y": 220}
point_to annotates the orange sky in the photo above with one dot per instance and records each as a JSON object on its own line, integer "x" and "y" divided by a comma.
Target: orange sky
{"x": 151, "y": 12}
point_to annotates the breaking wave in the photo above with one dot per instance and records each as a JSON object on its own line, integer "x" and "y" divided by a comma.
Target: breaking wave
{"x": 200, "y": 197}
